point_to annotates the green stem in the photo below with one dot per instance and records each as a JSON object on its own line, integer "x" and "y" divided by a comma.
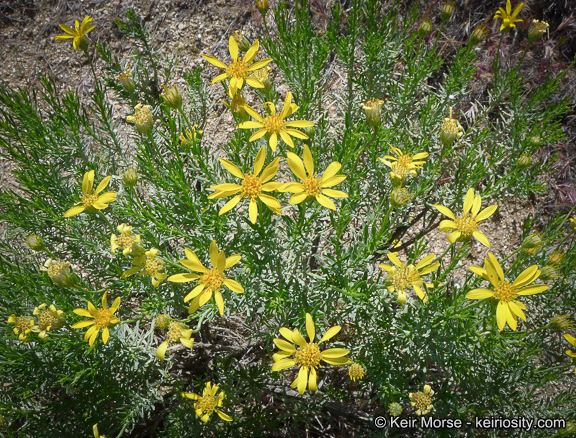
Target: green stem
{"x": 103, "y": 216}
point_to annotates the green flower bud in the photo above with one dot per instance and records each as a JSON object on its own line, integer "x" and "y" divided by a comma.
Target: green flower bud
{"x": 560, "y": 323}
{"x": 400, "y": 196}
{"x": 162, "y": 321}
{"x": 130, "y": 177}
{"x": 243, "y": 43}
{"x": 395, "y": 409}
{"x": 59, "y": 272}
{"x": 172, "y": 96}
{"x": 447, "y": 10}
{"x": 35, "y": 242}
{"x": 538, "y": 29}
{"x": 425, "y": 27}
{"x": 478, "y": 34}
{"x": 372, "y": 110}
{"x": 524, "y": 161}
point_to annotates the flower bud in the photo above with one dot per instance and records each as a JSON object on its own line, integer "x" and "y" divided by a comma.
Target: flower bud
{"x": 372, "y": 109}
{"x": 478, "y": 34}
{"x": 573, "y": 224}
{"x": 59, "y": 272}
{"x": 310, "y": 132}
{"x": 560, "y": 323}
{"x": 130, "y": 177}
{"x": 143, "y": 119}
{"x": 555, "y": 258}
{"x": 172, "y": 96}
{"x": 535, "y": 141}
{"x": 548, "y": 272}
{"x": 125, "y": 79}
{"x": 451, "y": 130}
{"x": 356, "y": 372}
{"x": 262, "y": 75}
{"x": 83, "y": 44}
{"x": 524, "y": 161}
{"x": 262, "y": 6}
{"x": 395, "y": 409}
{"x": 189, "y": 138}
{"x": 534, "y": 240}
{"x": 400, "y": 196}
{"x": 447, "y": 10}
{"x": 538, "y": 29}
{"x": 243, "y": 43}
{"x": 35, "y": 242}
{"x": 162, "y": 321}
{"x": 425, "y": 27}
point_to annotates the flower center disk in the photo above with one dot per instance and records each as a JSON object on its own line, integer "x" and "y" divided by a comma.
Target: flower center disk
{"x": 309, "y": 356}
{"x": 504, "y": 292}
{"x": 273, "y": 123}
{"x": 466, "y": 224}
{"x": 212, "y": 279}
{"x": 251, "y": 186}
{"x": 312, "y": 185}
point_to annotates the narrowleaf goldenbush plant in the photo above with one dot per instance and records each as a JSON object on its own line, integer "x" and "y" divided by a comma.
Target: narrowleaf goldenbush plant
{"x": 367, "y": 273}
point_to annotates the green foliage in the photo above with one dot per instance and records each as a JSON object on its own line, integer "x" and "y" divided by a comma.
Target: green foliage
{"x": 310, "y": 259}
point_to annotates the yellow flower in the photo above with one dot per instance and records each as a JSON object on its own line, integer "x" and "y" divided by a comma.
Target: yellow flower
{"x": 274, "y": 125}
{"x": 78, "y": 33}
{"x": 210, "y": 280}
{"x": 125, "y": 79}
{"x": 102, "y": 319}
{"x": 251, "y": 187}
{"x": 451, "y": 130}
{"x": 47, "y": 318}
{"x": 403, "y": 164}
{"x": 509, "y": 310}
{"x": 308, "y": 357}
{"x": 573, "y": 223}
{"x": 570, "y": 353}
{"x": 178, "y": 333}
{"x": 90, "y": 199}
{"x": 508, "y": 18}
{"x": 22, "y": 326}
{"x": 129, "y": 242}
{"x": 238, "y": 70}
{"x": 96, "y": 433}
{"x": 148, "y": 266}
{"x": 142, "y": 118}
{"x": 311, "y": 186}
{"x": 59, "y": 272}
{"x": 237, "y": 105}
{"x": 422, "y": 401}
{"x": 189, "y": 138}
{"x": 356, "y": 372}
{"x": 403, "y": 276}
{"x": 171, "y": 96}
{"x": 208, "y": 402}
{"x": 467, "y": 224}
